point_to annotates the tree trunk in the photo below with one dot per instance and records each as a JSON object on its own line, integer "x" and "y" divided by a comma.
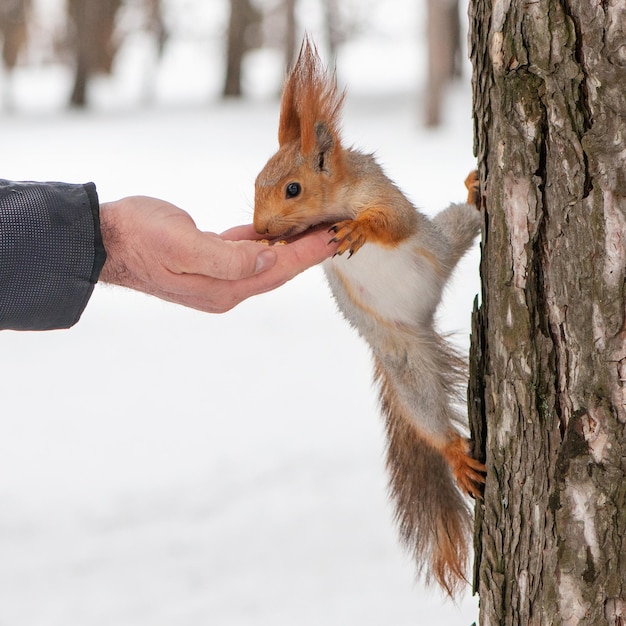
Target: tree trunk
{"x": 243, "y": 17}
{"x": 94, "y": 47}
{"x": 13, "y": 32}
{"x": 13, "y": 37}
{"x": 548, "y": 360}
{"x": 334, "y": 28}
{"x": 291, "y": 28}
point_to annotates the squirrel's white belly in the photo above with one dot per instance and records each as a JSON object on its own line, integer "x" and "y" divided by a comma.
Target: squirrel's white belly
{"x": 400, "y": 285}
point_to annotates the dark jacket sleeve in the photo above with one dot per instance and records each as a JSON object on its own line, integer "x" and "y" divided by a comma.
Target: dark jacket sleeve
{"x": 51, "y": 253}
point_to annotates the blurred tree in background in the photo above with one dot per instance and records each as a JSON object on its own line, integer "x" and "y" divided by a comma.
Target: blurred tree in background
{"x": 91, "y": 36}
{"x": 87, "y": 37}
{"x": 13, "y": 20}
{"x": 243, "y": 28}
{"x": 274, "y": 24}
{"x": 443, "y": 29}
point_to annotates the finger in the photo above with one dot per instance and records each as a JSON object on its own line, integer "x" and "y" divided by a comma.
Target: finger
{"x": 208, "y": 255}
{"x": 304, "y": 252}
{"x": 292, "y": 259}
{"x": 215, "y": 296}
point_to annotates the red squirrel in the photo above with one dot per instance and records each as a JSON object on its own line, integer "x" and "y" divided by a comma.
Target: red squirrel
{"x": 387, "y": 277}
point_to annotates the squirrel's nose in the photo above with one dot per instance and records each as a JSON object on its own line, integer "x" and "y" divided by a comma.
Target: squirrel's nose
{"x": 268, "y": 224}
{"x": 261, "y": 224}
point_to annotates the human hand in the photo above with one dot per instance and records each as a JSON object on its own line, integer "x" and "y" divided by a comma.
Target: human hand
{"x": 154, "y": 247}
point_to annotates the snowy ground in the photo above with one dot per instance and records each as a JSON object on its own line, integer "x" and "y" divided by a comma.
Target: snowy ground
{"x": 159, "y": 466}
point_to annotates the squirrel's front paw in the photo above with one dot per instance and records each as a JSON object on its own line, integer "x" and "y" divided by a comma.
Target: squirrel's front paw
{"x": 472, "y": 183}
{"x": 350, "y": 235}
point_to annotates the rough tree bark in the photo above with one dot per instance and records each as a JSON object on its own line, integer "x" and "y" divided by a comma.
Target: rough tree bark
{"x": 548, "y": 377}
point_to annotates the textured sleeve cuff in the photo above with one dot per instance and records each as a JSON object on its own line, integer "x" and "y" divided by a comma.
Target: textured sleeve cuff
{"x": 51, "y": 253}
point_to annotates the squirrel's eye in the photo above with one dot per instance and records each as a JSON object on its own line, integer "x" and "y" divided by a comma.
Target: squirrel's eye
{"x": 292, "y": 190}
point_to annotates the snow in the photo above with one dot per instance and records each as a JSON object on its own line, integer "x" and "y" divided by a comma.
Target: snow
{"x": 163, "y": 466}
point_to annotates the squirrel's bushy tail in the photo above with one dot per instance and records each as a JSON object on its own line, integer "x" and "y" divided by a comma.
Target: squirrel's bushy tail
{"x": 433, "y": 517}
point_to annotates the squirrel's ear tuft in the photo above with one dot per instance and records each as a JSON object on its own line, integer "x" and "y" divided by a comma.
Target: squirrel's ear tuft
{"x": 289, "y": 123}
{"x": 311, "y": 104}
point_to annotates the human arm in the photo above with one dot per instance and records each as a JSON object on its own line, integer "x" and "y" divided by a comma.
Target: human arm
{"x": 52, "y": 251}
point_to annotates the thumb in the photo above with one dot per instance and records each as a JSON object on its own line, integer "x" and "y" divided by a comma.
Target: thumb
{"x": 265, "y": 260}
{"x": 227, "y": 260}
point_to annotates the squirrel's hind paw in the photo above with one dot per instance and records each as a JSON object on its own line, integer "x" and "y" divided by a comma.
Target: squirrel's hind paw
{"x": 468, "y": 472}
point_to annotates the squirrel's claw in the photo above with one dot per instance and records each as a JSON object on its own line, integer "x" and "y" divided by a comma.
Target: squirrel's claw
{"x": 349, "y": 234}
{"x": 471, "y": 478}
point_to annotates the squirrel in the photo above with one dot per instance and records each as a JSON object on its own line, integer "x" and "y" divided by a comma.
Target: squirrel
{"x": 387, "y": 278}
